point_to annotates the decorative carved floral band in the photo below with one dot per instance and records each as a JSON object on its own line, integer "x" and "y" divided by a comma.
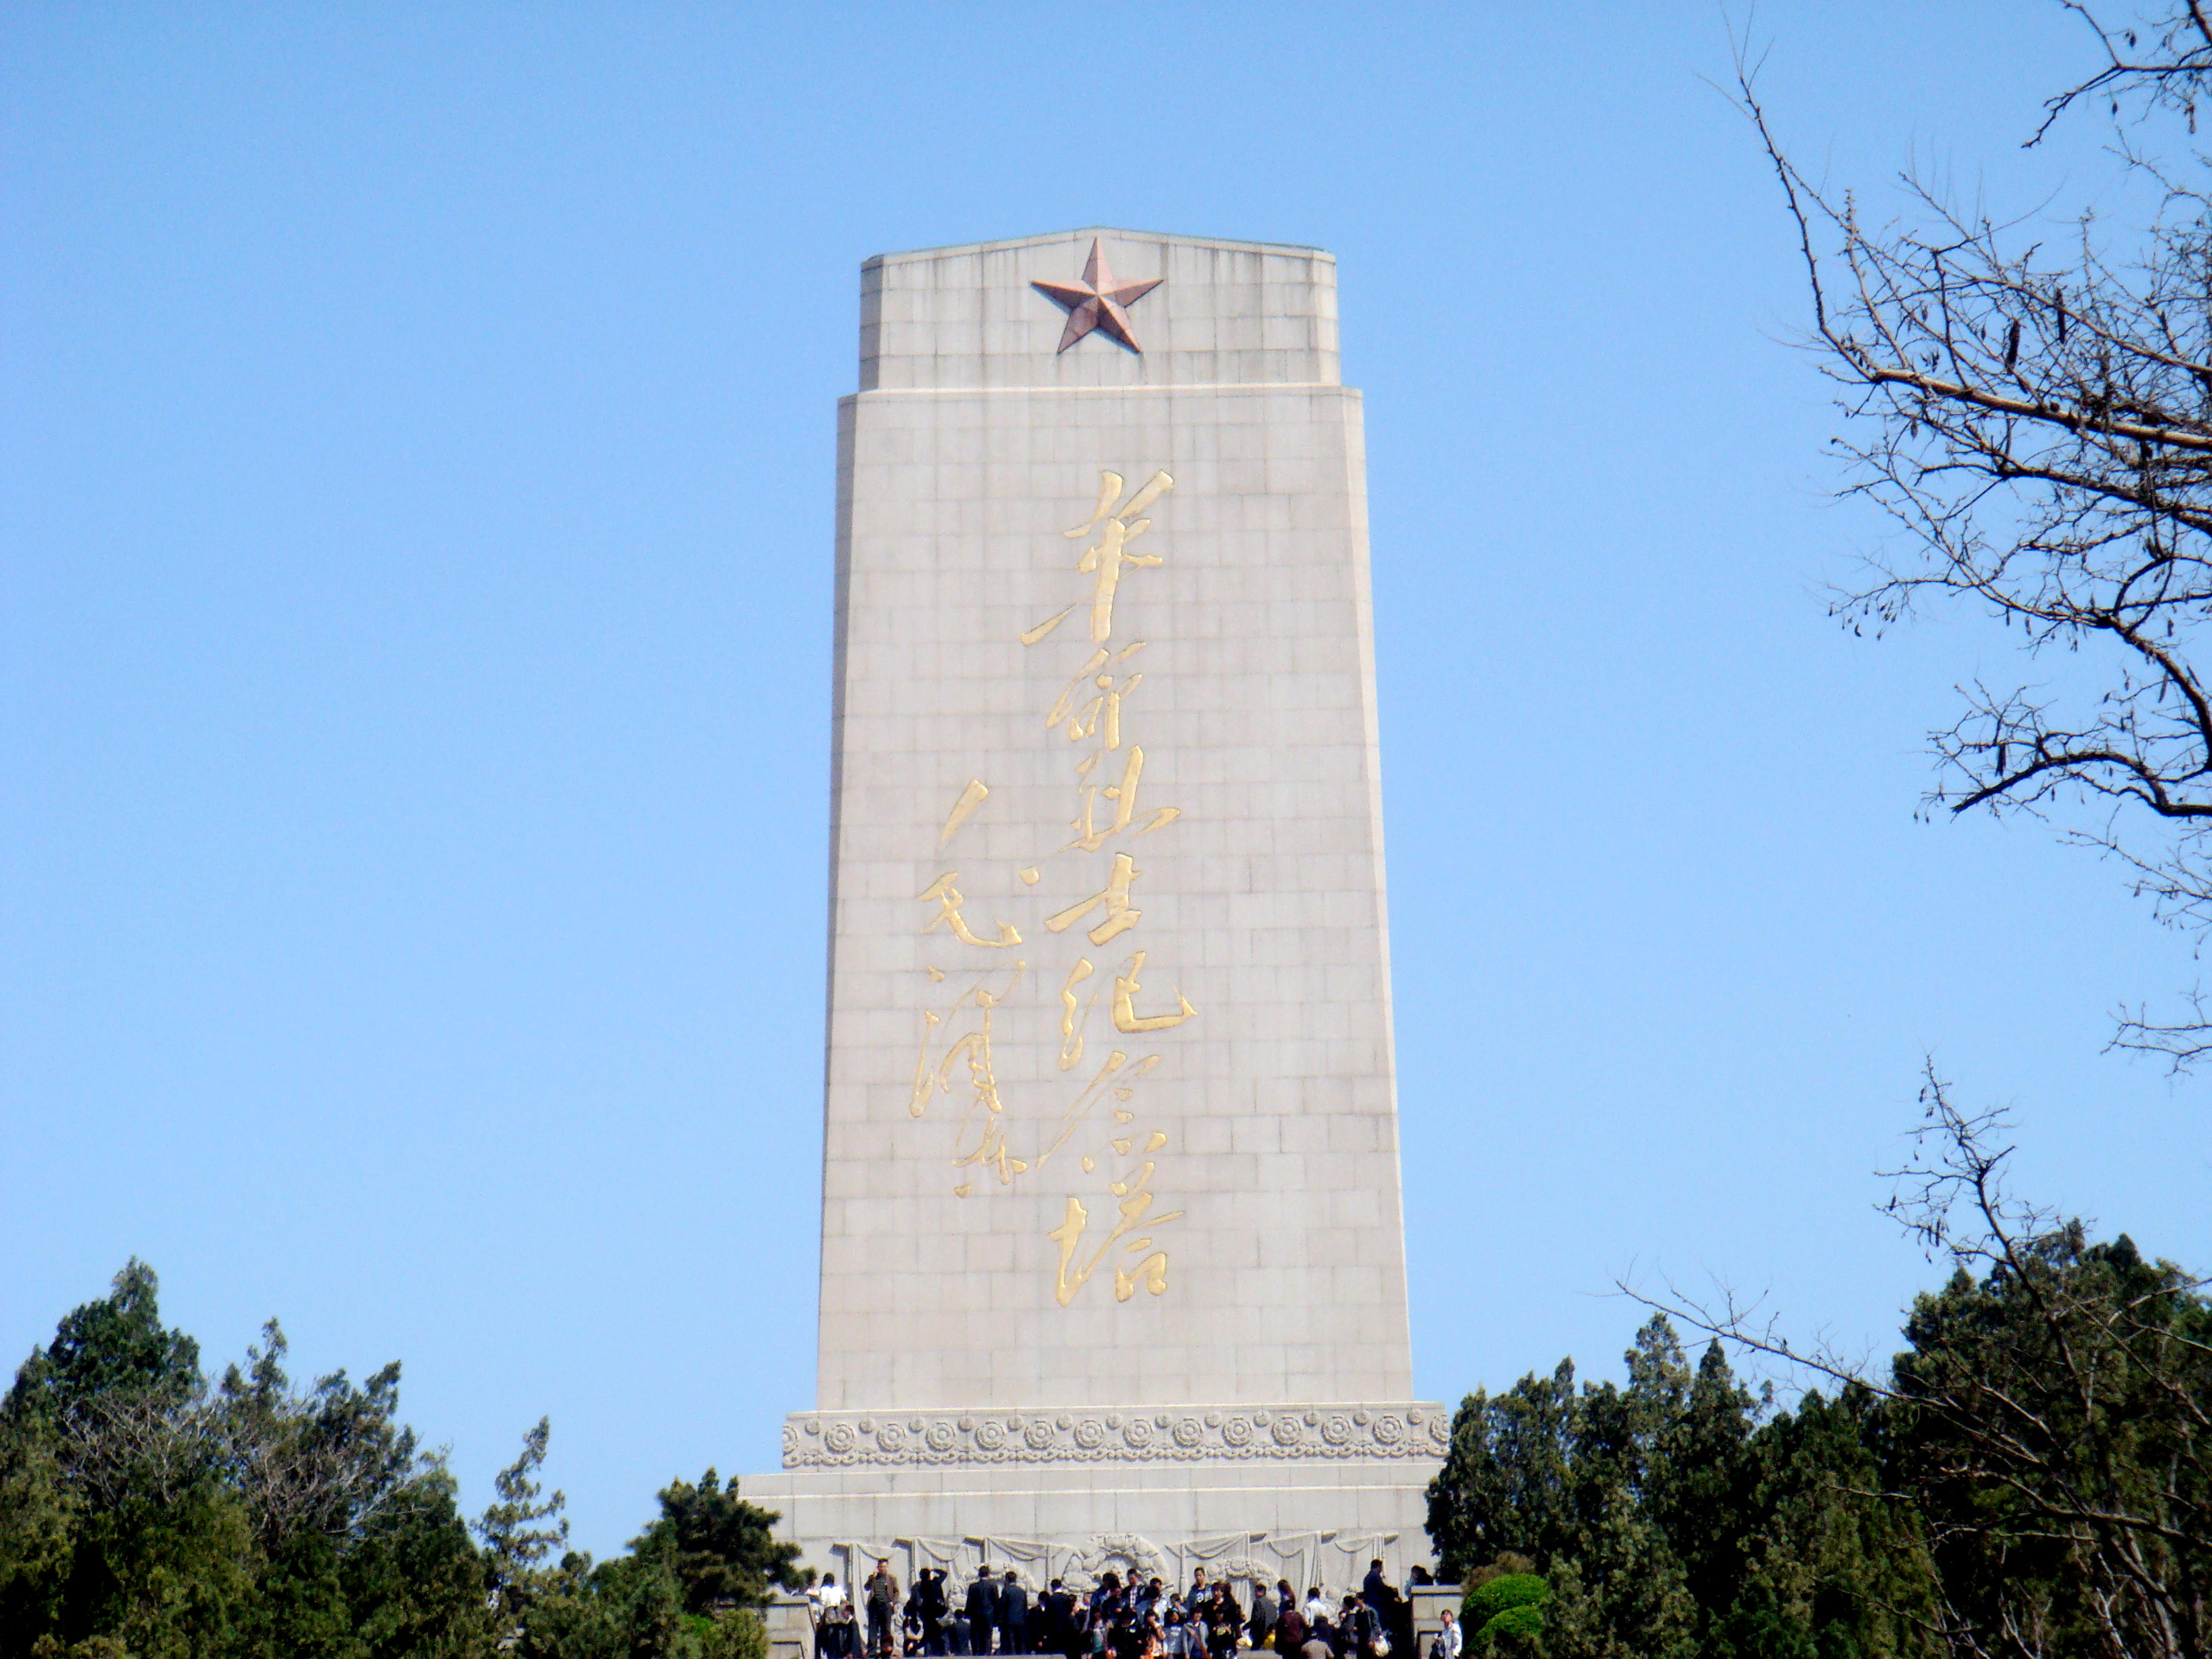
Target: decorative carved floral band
{"x": 1146, "y": 1434}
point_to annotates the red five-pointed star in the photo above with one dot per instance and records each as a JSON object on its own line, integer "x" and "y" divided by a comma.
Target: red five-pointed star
{"x": 1096, "y": 302}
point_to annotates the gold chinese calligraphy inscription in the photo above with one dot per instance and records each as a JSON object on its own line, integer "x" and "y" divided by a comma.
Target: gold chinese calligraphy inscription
{"x": 998, "y": 1141}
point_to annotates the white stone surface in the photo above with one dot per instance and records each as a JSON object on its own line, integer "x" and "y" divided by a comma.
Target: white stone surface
{"x": 1228, "y": 313}
{"x": 980, "y": 1161}
{"x": 1321, "y": 1525}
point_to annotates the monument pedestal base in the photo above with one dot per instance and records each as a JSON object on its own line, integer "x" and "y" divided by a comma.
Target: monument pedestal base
{"x": 1309, "y": 1493}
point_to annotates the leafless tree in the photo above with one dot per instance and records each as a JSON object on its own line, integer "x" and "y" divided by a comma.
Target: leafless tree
{"x": 329, "y": 1460}
{"x": 134, "y": 1447}
{"x": 2038, "y": 421}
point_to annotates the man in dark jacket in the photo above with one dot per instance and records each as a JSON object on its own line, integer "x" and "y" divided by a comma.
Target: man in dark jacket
{"x": 1375, "y": 1591}
{"x": 982, "y": 1611}
{"x": 1048, "y": 1619}
{"x": 1013, "y": 1615}
{"x": 1074, "y": 1624}
{"x": 1262, "y": 1624}
{"x": 929, "y": 1591}
{"x": 1393, "y": 1614}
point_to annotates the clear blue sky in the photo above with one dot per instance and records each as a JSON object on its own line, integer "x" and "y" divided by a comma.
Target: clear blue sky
{"x": 418, "y": 468}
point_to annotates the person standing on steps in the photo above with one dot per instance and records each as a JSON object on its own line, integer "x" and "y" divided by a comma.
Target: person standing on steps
{"x": 1200, "y": 1594}
{"x": 882, "y": 1597}
{"x": 982, "y": 1611}
{"x": 1013, "y": 1614}
{"x": 1290, "y": 1622}
{"x": 1261, "y": 1624}
{"x": 929, "y": 1590}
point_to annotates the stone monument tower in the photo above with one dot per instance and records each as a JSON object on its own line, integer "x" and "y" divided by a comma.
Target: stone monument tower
{"x": 1112, "y": 1263}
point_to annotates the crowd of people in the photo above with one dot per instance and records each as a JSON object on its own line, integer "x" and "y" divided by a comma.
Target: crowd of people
{"x": 1137, "y": 1619}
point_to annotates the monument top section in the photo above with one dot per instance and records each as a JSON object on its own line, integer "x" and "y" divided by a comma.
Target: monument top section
{"x": 1198, "y": 312}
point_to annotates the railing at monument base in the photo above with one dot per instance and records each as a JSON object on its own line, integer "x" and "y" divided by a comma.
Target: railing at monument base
{"x": 790, "y": 1625}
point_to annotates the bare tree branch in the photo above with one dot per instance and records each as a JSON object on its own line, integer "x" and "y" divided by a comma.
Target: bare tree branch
{"x": 2037, "y": 423}
{"x": 330, "y": 1460}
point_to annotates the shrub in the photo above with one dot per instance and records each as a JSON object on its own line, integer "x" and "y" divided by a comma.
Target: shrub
{"x": 1504, "y": 1613}
{"x": 1513, "y": 1629}
{"x": 1502, "y": 1594}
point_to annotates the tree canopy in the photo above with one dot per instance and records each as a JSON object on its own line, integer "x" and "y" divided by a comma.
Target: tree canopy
{"x": 146, "y": 1513}
{"x": 2030, "y": 1476}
